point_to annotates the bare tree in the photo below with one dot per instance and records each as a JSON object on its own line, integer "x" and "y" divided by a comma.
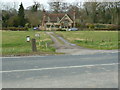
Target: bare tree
{"x": 8, "y": 5}
{"x": 55, "y": 6}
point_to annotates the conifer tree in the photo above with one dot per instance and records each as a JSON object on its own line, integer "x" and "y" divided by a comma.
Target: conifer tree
{"x": 21, "y": 16}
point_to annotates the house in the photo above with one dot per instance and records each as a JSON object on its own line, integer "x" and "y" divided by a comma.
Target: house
{"x": 57, "y": 21}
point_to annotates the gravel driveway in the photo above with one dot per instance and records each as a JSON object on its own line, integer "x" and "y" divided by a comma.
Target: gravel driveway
{"x": 63, "y": 46}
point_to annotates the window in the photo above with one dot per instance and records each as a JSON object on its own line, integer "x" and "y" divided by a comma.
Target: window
{"x": 48, "y": 26}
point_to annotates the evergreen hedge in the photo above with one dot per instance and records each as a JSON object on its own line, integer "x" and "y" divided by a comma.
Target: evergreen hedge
{"x": 15, "y": 28}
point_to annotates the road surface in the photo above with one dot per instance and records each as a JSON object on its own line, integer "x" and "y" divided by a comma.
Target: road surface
{"x": 98, "y": 70}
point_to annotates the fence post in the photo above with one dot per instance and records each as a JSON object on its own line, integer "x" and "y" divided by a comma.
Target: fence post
{"x": 46, "y": 45}
{"x": 34, "y": 49}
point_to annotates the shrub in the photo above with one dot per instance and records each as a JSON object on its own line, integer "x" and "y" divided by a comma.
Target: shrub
{"x": 90, "y": 25}
{"x": 107, "y": 27}
{"x": 59, "y": 29}
{"x": 112, "y": 26}
{"x": 15, "y": 28}
{"x": 81, "y": 26}
{"x": 100, "y": 26}
{"x": 27, "y": 25}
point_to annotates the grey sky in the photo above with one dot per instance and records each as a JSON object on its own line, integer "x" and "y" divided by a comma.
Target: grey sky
{"x": 27, "y": 3}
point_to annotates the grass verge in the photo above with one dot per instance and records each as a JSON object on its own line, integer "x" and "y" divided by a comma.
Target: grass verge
{"x": 14, "y": 43}
{"x": 92, "y": 39}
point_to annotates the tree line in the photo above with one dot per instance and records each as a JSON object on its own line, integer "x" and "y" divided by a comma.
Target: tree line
{"x": 87, "y": 12}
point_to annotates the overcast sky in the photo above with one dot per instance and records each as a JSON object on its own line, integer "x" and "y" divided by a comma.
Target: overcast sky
{"x": 27, "y": 3}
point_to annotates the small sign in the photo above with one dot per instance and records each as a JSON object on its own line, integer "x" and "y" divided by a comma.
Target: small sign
{"x": 37, "y": 35}
{"x": 28, "y": 38}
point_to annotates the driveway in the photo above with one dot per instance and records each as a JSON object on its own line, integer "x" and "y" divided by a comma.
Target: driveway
{"x": 63, "y": 46}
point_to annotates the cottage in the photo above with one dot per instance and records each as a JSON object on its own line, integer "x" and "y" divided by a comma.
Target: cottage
{"x": 58, "y": 21}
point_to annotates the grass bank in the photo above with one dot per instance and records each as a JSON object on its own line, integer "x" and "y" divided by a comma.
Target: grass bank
{"x": 92, "y": 39}
{"x": 14, "y": 43}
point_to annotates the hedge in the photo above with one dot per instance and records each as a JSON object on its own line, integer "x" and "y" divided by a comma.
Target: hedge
{"x": 16, "y": 28}
{"x": 106, "y": 27}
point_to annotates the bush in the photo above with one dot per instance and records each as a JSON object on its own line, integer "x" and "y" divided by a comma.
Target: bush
{"x": 100, "y": 26}
{"x": 81, "y": 26}
{"x": 16, "y": 28}
{"x": 59, "y": 29}
{"x": 112, "y": 26}
{"x": 27, "y": 25}
{"x": 90, "y": 25}
{"x": 107, "y": 27}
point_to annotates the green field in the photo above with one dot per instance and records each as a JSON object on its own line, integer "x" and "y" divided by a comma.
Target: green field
{"x": 14, "y": 43}
{"x": 92, "y": 39}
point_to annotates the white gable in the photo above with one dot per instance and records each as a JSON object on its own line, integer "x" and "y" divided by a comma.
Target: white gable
{"x": 66, "y": 17}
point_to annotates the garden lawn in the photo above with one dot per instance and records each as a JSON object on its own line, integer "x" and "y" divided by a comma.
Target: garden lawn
{"x": 92, "y": 39}
{"x": 14, "y": 43}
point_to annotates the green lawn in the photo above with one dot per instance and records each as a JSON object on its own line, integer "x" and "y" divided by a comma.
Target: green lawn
{"x": 92, "y": 39}
{"x": 14, "y": 43}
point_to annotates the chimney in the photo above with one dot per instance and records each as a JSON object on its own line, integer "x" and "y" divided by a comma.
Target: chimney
{"x": 44, "y": 15}
{"x": 74, "y": 13}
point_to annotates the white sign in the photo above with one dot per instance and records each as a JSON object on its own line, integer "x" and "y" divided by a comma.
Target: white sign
{"x": 37, "y": 35}
{"x": 28, "y": 38}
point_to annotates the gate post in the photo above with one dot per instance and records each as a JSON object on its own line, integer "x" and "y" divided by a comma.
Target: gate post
{"x": 34, "y": 49}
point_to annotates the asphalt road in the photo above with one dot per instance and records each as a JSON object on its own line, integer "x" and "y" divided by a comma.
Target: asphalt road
{"x": 65, "y": 71}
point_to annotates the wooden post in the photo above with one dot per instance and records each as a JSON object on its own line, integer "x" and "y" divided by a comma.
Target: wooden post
{"x": 39, "y": 41}
{"x": 34, "y": 49}
{"x": 46, "y": 45}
